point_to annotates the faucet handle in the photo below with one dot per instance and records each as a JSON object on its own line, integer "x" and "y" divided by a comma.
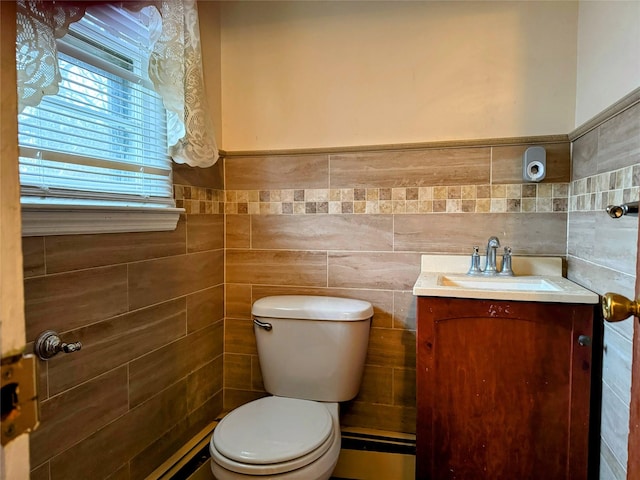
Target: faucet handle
{"x": 474, "y": 269}
{"x": 506, "y": 270}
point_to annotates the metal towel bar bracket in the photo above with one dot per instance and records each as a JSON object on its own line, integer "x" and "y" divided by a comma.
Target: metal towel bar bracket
{"x": 617, "y": 211}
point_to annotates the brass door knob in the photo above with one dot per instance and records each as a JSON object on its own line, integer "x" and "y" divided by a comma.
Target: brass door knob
{"x": 617, "y": 307}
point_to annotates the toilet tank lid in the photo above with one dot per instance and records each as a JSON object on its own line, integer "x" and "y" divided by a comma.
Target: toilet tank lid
{"x": 311, "y": 307}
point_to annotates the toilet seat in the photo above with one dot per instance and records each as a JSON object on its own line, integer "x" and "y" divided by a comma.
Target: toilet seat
{"x": 272, "y": 435}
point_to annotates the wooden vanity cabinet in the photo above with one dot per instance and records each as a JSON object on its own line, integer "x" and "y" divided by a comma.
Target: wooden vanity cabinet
{"x": 503, "y": 389}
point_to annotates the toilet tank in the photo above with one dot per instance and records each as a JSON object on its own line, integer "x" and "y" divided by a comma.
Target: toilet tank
{"x": 312, "y": 347}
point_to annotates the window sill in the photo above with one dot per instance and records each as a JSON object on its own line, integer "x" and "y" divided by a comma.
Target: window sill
{"x": 39, "y": 220}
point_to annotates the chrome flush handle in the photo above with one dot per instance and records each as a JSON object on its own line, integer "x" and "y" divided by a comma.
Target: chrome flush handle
{"x": 265, "y": 325}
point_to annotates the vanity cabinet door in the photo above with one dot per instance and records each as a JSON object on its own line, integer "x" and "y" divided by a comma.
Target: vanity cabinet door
{"x": 503, "y": 389}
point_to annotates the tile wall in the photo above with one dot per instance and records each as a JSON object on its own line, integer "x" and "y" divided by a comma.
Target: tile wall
{"x": 148, "y": 309}
{"x": 602, "y": 256}
{"x": 354, "y": 224}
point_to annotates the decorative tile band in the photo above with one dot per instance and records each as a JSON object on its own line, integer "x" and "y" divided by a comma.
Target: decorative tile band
{"x": 513, "y": 198}
{"x": 611, "y": 188}
{"x": 199, "y": 200}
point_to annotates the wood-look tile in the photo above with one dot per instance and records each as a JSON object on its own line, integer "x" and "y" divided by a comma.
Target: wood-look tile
{"x": 612, "y": 244}
{"x": 238, "y": 231}
{"x": 237, "y": 371}
{"x": 40, "y": 473}
{"x": 615, "y": 423}
{"x": 392, "y": 418}
{"x": 506, "y": 163}
{"x": 239, "y": 337}
{"x": 233, "y": 398}
{"x": 411, "y": 168}
{"x": 205, "y": 232}
{"x": 376, "y": 385}
{"x": 584, "y": 156}
{"x": 144, "y": 463}
{"x": 525, "y": 233}
{"x": 323, "y": 232}
{"x": 276, "y": 267}
{"x": 114, "y": 342}
{"x": 121, "y": 474}
{"x": 619, "y": 141}
{"x": 616, "y": 363}
{"x": 75, "y": 252}
{"x": 162, "y": 279}
{"x": 610, "y": 466}
{"x": 70, "y": 300}
{"x": 391, "y": 348}
{"x": 600, "y": 280}
{"x": 210, "y": 177}
{"x": 277, "y": 172}
{"x": 385, "y": 271}
{"x": 238, "y": 300}
{"x": 381, "y": 300}
{"x": 404, "y": 310}
{"x": 204, "y": 383}
{"x": 87, "y": 408}
{"x": 404, "y": 387}
{"x": 257, "y": 382}
{"x": 33, "y": 256}
{"x": 205, "y": 308}
{"x": 112, "y": 446}
{"x": 153, "y": 372}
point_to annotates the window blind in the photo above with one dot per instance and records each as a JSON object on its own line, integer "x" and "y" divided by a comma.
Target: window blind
{"x": 102, "y": 139}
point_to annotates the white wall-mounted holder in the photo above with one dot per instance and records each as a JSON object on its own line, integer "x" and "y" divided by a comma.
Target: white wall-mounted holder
{"x": 534, "y": 164}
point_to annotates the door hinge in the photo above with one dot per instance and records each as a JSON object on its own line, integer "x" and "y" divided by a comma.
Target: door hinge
{"x": 19, "y": 398}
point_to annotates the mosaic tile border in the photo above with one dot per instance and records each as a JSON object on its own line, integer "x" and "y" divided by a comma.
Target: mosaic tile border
{"x": 509, "y": 198}
{"x": 198, "y": 200}
{"x": 610, "y": 188}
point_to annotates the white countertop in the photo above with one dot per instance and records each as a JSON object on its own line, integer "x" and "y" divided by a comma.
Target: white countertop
{"x": 537, "y": 279}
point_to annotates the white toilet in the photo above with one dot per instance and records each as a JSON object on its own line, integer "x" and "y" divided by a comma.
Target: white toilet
{"x": 312, "y": 352}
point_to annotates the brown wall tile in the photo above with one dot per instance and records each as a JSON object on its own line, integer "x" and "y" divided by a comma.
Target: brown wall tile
{"x": 158, "y": 280}
{"x": 506, "y": 163}
{"x": 154, "y": 371}
{"x": 382, "y": 417}
{"x": 238, "y": 231}
{"x": 86, "y": 408}
{"x": 392, "y": 348}
{"x": 323, "y": 232}
{"x": 233, "y": 398}
{"x": 239, "y": 337}
{"x": 377, "y": 385}
{"x": 276, "y": 267}
{"x": 411, "y": 168}
{"x": 114, "y": 342}
{"x": 238, "y": 300}
{"x": 75, "y": 252}
{"x": 237, "y": 371}
{"x": 277, "y": 172}
{"x": 205, "y": 232}
{"x": 33, "y": 256}
{"x": 71, "y": 300}
{"x": 386, "y": 271}
{"x": 525, "y": 233}
{"x": 205, "y": 308}
{"x": 204, "y": 383}
{"x": 40, "y": 473}
{"x": 115, "y": 444}
{"x": 404, "y": 310}
{"x": 404, "y": 387}
{"x": 210, "y": 177}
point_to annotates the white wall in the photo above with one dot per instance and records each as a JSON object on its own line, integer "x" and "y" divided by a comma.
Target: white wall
{"x": 314, "y": 74}
{"x": 608, "y": 55}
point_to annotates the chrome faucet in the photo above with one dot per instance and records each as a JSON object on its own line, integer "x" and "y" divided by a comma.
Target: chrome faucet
{"x": 490, "y": 267}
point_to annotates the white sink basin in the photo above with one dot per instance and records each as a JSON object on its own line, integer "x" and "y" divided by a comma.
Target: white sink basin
{"x": 537, "y": 279}
{"x": 533, "y": 284}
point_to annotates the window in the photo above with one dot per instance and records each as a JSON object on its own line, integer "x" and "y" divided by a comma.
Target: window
{"x": 97, "y": 150}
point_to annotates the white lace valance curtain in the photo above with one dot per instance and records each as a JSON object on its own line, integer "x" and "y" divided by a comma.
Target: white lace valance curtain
{"x": 175, "y": 67}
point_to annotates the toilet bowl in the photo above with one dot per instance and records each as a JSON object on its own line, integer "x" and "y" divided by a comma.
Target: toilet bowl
{"x": 312, "y": 351}
{"x": 277, "y": 438}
